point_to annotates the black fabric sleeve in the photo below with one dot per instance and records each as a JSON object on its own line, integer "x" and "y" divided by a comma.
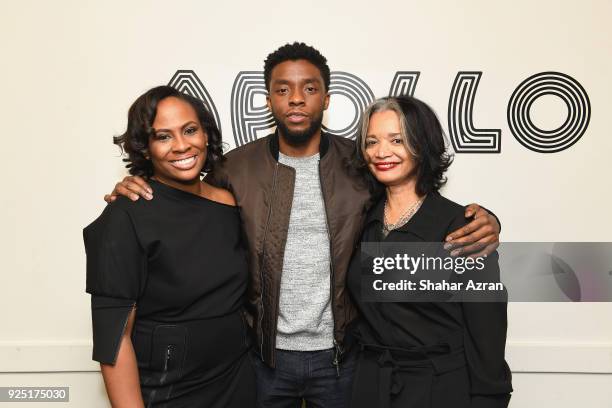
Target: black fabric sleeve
{"x": 484, "y": 339}
{"x": 109, "y": 319}
{"x": 116, "y": 265}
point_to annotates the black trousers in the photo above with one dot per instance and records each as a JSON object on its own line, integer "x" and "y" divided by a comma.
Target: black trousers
{"x": 390, "y": 379}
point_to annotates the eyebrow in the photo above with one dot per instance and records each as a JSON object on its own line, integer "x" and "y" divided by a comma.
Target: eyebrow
{"x": 387, "y": 135}
{"x": 286, "y": 81}
{"x": 182, "y": 127}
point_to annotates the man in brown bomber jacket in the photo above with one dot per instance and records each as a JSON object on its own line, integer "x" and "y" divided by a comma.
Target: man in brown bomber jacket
{"x": 263, "y": 189}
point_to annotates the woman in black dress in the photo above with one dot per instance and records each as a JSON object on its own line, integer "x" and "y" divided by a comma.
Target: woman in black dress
{"x": 168, "y": 276}
{"x": 433, "y": 354}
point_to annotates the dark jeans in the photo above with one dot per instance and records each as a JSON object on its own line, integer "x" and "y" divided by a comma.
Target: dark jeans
{"x": 306, "y": 376}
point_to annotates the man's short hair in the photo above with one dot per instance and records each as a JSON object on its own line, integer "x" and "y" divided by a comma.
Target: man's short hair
{"x": 294, "y": 52}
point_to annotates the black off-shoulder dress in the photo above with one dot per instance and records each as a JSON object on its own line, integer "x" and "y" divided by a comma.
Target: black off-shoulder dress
{"x": 179, "y": 259}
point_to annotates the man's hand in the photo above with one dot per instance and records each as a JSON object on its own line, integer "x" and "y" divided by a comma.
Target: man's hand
{"x": 131, "y": 187}
{"x": 478, "y": 238}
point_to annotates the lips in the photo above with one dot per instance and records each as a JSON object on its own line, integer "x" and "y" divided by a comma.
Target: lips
{"x": 385, "y": 166}
{"x": 296, "y": 117}
{"x": 186, "y": 163}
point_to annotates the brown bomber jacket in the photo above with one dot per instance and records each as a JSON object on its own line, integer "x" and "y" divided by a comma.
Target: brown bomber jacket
{"x": 263, "y": 189}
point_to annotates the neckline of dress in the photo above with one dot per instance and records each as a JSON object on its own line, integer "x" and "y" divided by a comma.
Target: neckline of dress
{"x": 184, "y": 195}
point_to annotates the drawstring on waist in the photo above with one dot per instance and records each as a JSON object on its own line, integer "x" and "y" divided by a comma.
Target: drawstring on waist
{"x": 437, "y": 359}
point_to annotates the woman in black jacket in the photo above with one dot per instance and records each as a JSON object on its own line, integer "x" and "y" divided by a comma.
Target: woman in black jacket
{"x": 419, "y": 354}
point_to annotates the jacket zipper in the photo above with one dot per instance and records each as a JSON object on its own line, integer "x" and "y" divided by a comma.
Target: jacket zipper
{"x": 261, "y": 263}
{"x": 337, "y": 348}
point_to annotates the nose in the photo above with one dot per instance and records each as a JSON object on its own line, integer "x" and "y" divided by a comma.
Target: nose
{"x": 382, "y": 150}
{"x": 296, "y": 97}
{"x": 180, "y": 144}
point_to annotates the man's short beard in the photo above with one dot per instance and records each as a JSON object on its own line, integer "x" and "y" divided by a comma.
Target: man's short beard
{"x": 297, "y": 139}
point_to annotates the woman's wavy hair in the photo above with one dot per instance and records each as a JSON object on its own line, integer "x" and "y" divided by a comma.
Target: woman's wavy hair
{"x": 135, "y": 140}
{"x": 422, "y": 135}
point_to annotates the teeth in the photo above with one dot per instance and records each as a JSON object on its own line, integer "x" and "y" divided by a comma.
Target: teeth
{"x": 185, "y": 161}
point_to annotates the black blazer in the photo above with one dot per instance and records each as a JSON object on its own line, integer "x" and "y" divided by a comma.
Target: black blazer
{"x": 481, "y": 327}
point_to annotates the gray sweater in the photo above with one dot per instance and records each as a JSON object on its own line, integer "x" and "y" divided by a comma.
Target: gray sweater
{"x": 305, "y": 318}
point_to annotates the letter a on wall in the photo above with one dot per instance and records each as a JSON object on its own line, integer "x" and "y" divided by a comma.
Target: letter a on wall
{"x": 188, "y": 82}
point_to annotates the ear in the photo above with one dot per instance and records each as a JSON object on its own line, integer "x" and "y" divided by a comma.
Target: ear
{"x": 146, "y": 155}
{"x": 268, "y": 103}
{"x": 326, "y": 101}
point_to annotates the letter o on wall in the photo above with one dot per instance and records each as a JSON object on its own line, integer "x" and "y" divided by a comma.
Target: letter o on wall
{"x": 549, "y": 83}
{"x": 358, "y": 92}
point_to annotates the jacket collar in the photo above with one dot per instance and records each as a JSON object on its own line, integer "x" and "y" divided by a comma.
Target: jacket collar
{"x": 274, "y": 146}
{"x": 420, "y": 223}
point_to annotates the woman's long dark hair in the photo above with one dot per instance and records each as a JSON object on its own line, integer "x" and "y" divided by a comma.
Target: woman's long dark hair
{"x": 135, "y": 140}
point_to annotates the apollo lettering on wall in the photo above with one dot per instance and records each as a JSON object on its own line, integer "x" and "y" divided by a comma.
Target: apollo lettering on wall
{"x": 251, "y": 118}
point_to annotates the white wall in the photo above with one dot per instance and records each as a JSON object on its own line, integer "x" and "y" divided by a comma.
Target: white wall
{"x": 70, "y": 70}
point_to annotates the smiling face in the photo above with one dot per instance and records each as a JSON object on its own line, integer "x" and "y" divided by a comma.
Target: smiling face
{"x": 297, "y": 98}
{"x": 177, "y": 147}
{"x": 385, "y": 150}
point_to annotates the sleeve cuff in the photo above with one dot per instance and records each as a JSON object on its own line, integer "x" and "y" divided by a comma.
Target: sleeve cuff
{"x": 109, "y": 319}
{"x": 490, "y": 401}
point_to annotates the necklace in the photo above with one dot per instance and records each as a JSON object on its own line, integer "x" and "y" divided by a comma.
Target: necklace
{"x": 403, "y": 219}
